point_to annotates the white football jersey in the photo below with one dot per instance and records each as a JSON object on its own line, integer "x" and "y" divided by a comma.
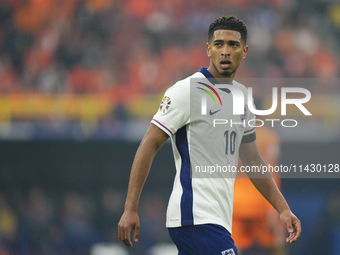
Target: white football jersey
{"x": 204, "y": 147}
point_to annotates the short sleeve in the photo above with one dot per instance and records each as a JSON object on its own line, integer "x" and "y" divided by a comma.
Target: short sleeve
{"x": 249, "y": 131}
{"x": 174, "y": 110}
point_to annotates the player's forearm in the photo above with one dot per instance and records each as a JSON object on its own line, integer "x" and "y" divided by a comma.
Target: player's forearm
{"x": 268, "y": 188}
{"x": 265, "y": 184}
{"x": 139, "y": 172}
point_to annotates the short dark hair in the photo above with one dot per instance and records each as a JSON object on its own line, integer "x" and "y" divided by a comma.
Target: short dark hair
{"x": 228, "y": 23}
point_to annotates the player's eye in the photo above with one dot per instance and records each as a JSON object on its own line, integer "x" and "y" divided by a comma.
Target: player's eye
{"x": 218, "y": 44}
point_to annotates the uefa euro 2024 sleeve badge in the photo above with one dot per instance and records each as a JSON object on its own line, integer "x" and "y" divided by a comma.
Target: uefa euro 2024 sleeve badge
{"x": 165, "y": 104}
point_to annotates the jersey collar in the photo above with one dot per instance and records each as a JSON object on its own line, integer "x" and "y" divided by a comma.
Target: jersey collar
{"x": 209, "y": 76}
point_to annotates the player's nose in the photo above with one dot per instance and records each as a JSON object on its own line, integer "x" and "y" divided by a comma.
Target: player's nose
{"x": 225, "y": 51}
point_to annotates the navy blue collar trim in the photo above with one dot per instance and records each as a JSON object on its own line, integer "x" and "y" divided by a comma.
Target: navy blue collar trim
{"x": 208, "y": 75}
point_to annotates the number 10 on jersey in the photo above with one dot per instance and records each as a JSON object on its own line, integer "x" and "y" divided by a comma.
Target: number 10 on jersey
{"x": 230, "y": 142}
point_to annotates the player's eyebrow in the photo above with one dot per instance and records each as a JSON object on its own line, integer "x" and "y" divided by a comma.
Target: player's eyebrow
{"x": 230, "y": 41}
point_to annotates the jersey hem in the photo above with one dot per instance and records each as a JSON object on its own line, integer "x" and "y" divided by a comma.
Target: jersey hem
{"x": 208, "y": 221}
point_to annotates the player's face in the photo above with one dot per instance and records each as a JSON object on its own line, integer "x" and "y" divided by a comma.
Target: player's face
{"x": 226, "y": 50}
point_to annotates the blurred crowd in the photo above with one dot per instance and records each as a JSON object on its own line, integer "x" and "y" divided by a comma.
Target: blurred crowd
{"x": 144, "y": 46}
{"x": 42, "y": 223}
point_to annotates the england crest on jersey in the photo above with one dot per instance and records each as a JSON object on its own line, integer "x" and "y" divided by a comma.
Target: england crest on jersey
{"x": 228, "y": 252}
{"x": 244, "y": 116}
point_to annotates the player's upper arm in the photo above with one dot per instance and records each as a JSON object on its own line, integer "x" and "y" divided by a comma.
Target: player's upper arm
{"x": 249, "y": 153}
{"x": 155, "y": 137}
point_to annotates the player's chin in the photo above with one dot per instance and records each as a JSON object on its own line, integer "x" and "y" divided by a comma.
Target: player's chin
{"x": 226, "y": 73}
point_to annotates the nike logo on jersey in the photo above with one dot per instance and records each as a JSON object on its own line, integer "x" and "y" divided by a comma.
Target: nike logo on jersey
{"x": 212, "y": 113}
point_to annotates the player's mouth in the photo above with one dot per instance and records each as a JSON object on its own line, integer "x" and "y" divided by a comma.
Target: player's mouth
{"x": 225, "y": 63}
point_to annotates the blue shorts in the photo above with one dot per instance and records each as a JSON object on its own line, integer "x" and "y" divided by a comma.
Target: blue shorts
{"x": 207, "y": 239}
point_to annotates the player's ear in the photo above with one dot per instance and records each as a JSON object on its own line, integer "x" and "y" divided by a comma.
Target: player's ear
{"x": 245, "y": 51}
{"x": 207, "y": 46}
